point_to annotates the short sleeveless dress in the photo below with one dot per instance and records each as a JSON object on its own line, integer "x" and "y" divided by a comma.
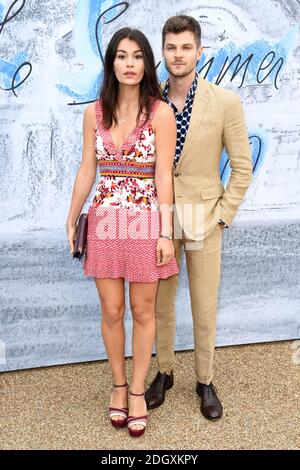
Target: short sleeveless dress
{"x": 124, "y": 221}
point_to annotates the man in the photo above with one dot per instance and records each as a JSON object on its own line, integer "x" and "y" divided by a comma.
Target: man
{"x": 208, "y": 118}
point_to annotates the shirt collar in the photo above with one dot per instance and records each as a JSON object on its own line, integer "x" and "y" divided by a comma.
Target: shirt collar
{"x": 191, "y": 92}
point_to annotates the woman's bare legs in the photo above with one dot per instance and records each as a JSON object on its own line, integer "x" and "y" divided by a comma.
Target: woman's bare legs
{"x": 112, "y": 298}
{"x": 142, "y": 302}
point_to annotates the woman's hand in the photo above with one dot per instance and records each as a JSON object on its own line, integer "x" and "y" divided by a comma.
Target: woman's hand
{"x": 71, "y": 235}
{"x": 164, "y": 251}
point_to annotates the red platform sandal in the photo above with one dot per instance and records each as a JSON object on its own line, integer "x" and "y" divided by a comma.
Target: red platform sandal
{"x": 133, "y": 420}
{"x": 118, "y": 423}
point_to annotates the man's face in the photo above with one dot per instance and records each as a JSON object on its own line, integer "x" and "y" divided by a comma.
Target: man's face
{"x": 181, "y": 53}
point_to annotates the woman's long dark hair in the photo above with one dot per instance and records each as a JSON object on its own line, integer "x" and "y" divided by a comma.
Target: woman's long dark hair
{"x": 149, "y": 86}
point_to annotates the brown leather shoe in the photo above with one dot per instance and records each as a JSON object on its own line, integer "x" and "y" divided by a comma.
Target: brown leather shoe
{"x": 155, "y": 394}
{"x": 211, "y": 407}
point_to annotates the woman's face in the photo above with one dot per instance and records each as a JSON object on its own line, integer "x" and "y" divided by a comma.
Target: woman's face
{"x": 129, "y": 64}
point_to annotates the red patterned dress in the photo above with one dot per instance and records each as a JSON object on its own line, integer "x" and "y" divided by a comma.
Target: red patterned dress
{"x": 124, "y": 219}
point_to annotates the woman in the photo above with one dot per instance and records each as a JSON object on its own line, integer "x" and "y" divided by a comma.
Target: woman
{"x": 130, "y": 218}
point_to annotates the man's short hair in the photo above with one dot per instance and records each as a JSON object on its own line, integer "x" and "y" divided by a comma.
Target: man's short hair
{"x": 179, "y": 24}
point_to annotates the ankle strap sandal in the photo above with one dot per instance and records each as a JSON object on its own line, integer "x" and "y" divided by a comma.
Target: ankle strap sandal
{"x": 122, "y": 412}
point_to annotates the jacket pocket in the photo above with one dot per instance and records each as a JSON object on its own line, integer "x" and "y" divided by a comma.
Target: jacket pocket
{"x": 213, "y": 192}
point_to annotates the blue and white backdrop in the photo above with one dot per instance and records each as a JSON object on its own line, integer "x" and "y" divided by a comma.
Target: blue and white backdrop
{"x": 51, "y": 64}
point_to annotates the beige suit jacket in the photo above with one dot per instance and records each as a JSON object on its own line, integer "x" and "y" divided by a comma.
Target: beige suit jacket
{"x": 217, "y": 120}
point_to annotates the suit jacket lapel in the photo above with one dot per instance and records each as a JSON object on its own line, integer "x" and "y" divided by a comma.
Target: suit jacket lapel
{"x": 199, "y": 108}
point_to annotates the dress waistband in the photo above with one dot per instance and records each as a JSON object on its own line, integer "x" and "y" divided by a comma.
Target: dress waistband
{"x": 141, "y": 170}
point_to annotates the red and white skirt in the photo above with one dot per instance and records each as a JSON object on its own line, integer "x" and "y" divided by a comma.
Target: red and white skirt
{"x": 122, "y": 242}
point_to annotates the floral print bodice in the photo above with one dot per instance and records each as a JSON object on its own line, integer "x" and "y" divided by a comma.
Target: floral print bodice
{"x": 126, "y": 174}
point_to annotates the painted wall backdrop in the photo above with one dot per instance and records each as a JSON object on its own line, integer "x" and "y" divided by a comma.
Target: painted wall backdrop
{"x": 51, "y": 65}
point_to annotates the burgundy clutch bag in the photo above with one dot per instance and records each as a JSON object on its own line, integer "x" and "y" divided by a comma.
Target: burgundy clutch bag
{"x": 80, "y": 236}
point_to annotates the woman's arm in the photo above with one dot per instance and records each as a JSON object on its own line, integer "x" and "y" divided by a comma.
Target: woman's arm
{"x": 164, "y": 126}
{"x": 86, "y": 174}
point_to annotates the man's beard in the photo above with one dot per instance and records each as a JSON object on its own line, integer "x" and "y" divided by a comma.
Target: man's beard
{"x": 180, "y": 74}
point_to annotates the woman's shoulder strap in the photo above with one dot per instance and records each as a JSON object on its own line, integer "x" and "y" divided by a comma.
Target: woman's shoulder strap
{"x": 98, "y": 110}
{"x": 155, "y": 102}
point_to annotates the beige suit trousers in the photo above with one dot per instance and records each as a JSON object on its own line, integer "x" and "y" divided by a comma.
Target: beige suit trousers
{"x": 203, "y": 261}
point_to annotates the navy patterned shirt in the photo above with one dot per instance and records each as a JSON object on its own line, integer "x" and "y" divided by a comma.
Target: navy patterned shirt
{"x": 183, "y": 117}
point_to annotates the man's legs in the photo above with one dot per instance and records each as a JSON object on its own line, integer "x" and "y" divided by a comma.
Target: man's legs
{"x": 203, "y": 269}
{"x": 203, "y": 266}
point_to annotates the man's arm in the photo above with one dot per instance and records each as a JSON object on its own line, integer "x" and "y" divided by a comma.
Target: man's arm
{"x": 235, "y": 139}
